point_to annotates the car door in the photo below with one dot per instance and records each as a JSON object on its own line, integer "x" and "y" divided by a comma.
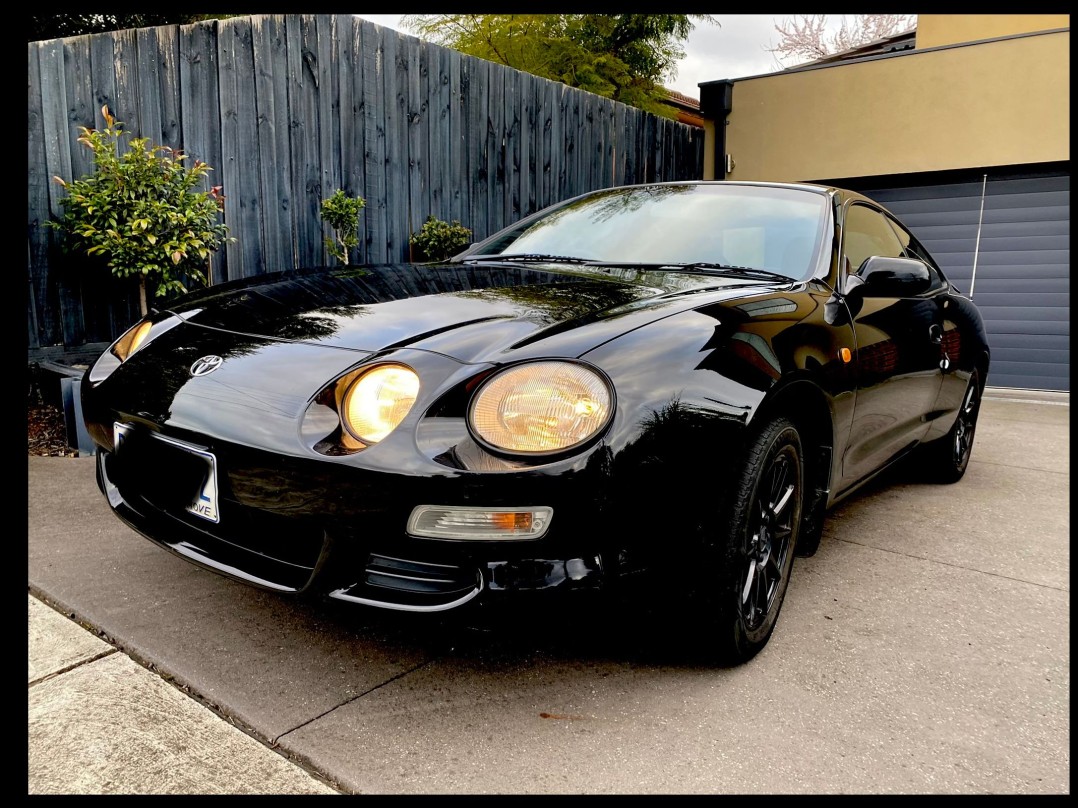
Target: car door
{"x": 897, "y": 360}
{"x": 949, "y": 338}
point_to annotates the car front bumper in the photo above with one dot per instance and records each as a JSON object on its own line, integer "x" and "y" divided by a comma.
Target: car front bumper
{"x": 293, "y": 525}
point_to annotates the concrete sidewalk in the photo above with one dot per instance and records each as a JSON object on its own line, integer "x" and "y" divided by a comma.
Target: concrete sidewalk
{"x": 100, "y": 723}
{"x": 925, "y": 648}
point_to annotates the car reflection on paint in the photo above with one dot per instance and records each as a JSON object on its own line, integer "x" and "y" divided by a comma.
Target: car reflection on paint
{"x": 662, "y": 386}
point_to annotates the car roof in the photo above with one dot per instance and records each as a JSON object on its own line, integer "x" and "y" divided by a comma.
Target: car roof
{"x": 799, "y": 186}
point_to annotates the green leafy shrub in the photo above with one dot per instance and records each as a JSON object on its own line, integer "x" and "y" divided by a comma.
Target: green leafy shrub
{"x": 438, "y": 240}
{"x": 341, "y": 212}
{"x": 141, "y": 211}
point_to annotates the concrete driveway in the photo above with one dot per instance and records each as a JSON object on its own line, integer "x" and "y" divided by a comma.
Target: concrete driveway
{"x": 925, "y": 648}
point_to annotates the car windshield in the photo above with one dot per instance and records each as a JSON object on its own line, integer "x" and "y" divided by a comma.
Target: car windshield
{"x": 768, "y": 228}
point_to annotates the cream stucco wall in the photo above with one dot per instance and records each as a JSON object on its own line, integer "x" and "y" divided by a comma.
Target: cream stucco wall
{"x": 995, "y": 103}
{"x": 949, "y": 29}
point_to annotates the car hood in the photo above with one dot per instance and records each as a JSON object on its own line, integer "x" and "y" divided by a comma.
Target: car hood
{"x": 470, "y": 312}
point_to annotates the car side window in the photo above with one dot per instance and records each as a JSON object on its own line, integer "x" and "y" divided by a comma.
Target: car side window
{"x": 868, "y": 233}
{"x": 911, "y": 248}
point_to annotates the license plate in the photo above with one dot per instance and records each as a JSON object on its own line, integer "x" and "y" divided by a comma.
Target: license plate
{"x": 204, "y": 502}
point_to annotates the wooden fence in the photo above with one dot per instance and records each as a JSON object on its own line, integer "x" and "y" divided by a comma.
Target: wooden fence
{"x": 289, "y": 108}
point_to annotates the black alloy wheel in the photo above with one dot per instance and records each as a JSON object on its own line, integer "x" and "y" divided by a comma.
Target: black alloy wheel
{"x": 761, "y": 521}
{"x": 769, "y": 542}
{"x": 948, "y": 457}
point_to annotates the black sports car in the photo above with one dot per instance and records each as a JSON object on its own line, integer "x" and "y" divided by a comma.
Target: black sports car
{"x": 661, "y": 383}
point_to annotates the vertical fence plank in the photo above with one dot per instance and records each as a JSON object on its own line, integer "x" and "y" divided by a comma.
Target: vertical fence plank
{"x": 620, "y": 151}
{"x": 350, "y": 87}
{"x": 147, "y": 69}
{"x": 168, "y": 85}
{"x": 609, "y": 152}
{"x": 528, "y": 127}
{"x": 271, "y": 107}
{"x": 667, "y": 149}
{"x": 80, "y": 101}
{"x": 102, "y": 75}
{"x": 396, "y": 84}
{"x": 553, "y": 144}
{"x": 329, "y": 133}
{"x": 38, "y": 179}
{"x": 58, "y": 164}
{"x": 495, "y": 149}
{"x": 435, "y": 154}
{"x": 478, "y": 95}
{"x": 415, "y": 108}
{"x": 125, "y": 75}
{"x": 454, "y": 175}
{"x": 90, "y": 292}
{"x": 303, "y": 94}
{"x": 125, "y": 60}
{"x": 568, "y": 185}
{"x": 372, "y": 46}
{"x": 239, "y": 139}
{"x": 511, "y": 146}
{"x": 200, "y": 120}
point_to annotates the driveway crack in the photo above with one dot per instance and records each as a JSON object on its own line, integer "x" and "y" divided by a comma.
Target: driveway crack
{"x": 390, "y": 680}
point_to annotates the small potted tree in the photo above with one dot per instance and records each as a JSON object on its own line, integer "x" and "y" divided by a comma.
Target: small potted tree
{"x": 142, "y": 212}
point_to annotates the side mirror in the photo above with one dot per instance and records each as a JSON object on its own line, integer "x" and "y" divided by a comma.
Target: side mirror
{"x": 880, "y": 276}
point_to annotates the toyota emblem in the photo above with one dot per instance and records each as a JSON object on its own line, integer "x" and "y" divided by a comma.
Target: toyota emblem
{"x": 207, "y": 364}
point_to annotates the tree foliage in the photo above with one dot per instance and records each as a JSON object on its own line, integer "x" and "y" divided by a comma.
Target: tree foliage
{"x": 621, "y": 56}
{"x": 438, "y": 240}
{"x": 805, "y": 37}
{"x": 54, "y": 26}
{"x": 341, "y": 212}
{"x": 141, "y": 211}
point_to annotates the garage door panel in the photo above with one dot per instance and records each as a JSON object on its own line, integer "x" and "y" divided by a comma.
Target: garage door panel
{"x": 1023, "y": 264}
{"x": 1045, "y": 327}
{"x": 992, "y": 245}
{"x": 1004, "y": 367}
{"x": 1024, "y": 300}
{"x": 938, "y": 232}
{"x": 1023, "y": 382}
{"x": 1007, "y": 272}
{"x": 987, "y": 284}
{"x": 1034, "y": 342}
{"x": 1048, "y": 314}
{"x": 1030, "y": 355}
{"x": 969, "y": 218}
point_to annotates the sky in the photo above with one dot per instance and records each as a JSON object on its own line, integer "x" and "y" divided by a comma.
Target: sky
{"x": 730, "y": 50}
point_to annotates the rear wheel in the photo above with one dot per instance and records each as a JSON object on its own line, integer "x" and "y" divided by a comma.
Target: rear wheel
{"x": 947, "y": 458}
{"x": 761, "y": 525}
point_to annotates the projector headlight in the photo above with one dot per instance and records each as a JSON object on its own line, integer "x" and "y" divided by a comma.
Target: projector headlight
{"x": 541, "y": 408}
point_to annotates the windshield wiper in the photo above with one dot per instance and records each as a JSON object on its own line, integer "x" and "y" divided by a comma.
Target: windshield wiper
{"x": 730, "y": 269}
{"x": 526, "y": 257}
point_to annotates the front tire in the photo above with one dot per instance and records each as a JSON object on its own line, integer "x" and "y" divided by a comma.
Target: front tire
{"x": 757, "y": 545}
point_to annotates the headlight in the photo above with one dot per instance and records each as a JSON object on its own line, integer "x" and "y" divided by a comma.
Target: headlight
{"x": 131, "y": 340}
{"x": 378, "y": 400}
{"x": 541, "y": 407}
{"x": 137, "y": 336}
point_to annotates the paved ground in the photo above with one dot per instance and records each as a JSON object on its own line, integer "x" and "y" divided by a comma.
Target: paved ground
{"x": 925, "y": 648}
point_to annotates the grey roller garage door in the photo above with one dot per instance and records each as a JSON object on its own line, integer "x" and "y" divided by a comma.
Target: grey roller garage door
{"x": 1023, "y": 270}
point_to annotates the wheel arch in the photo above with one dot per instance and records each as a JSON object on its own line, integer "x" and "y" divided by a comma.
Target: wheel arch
{"x": 807, "y": 406}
